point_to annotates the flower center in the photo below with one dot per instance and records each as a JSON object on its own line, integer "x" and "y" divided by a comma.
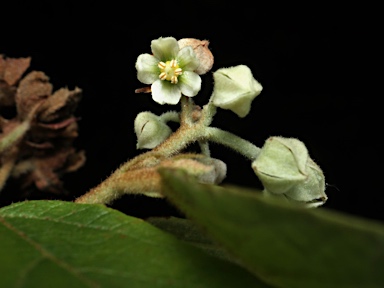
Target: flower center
{"x": 169, "y": 71}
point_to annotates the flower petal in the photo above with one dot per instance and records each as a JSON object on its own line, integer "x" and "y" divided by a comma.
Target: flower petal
{"x": 147, "y": 70}
{"x": 187, "y": 59}
{"x": 165, "y": 49}
{"x": 189, "y": 83}
{"x": 164, "y": 92}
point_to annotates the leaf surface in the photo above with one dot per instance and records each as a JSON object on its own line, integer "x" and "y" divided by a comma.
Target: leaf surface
{"x": 63, "y": 244}
{"x": 284, "y": 244}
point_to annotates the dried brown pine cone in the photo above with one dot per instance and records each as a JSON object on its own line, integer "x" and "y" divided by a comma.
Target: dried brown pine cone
{"x": 44, "y": 152}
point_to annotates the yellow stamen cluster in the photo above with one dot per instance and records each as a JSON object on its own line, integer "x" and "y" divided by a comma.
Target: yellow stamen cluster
{"x": 170, "y": 70}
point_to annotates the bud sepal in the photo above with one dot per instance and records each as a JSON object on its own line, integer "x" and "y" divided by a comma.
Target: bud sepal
{"x": 285, "y": 168}
{"x": 150, "y": 130}
{"x": 234, "y": 89}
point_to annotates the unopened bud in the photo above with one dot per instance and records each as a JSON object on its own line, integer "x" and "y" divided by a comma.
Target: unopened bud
{"x": 218, "y": 172}
{"x": 150, "y": 130}
{"x": 206, "y": 169}
{"x": 285, "y": 169}
{"x": 234, "y": 89}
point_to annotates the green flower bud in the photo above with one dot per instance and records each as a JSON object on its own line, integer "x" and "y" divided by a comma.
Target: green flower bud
{"x": 234, "y": 89}
{"x": 286, "y": 170}
{"x": 206, "y": 169}
{"x": 218, "y": 172}
{"x": 150, "y": 130}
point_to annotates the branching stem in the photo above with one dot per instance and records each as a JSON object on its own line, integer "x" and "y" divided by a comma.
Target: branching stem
{"x": 138, "y": 174}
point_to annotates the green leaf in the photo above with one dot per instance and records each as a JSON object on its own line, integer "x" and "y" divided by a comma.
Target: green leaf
{"x": 186, "y": 230}
{"x": 284, "y": 244}
{"x": 63, "y": 244}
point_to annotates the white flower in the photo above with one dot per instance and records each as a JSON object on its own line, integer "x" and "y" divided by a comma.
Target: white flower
{"x": 234, "y": 89}
{"x": 169, "y": 70}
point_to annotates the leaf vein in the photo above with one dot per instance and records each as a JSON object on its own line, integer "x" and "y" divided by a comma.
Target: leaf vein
{"x": 46, "y": 254}
{"x": 27, "y": 269}
{"x": 80, "y": 225}
{"x": 96, "y": 218}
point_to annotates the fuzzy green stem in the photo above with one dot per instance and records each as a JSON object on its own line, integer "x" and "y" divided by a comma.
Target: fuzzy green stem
{"x": 194, "y": 122}
{"x": 170, "y": 116}
{"x": 133, "y": 182}
{"x": 179, "y": 140}
{"x": 204, "y": 147}
{"x": 209, "y": 110}
{"x": 240, "y": 145}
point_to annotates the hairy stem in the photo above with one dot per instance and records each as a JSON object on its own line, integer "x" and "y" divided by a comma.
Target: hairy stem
{"x": 133, "y": 182}
{"x": 170, "y": 116}
{"x": 139, "y": 175}
{"x": 240, "y": 145}
{"x": 204, "y": 147}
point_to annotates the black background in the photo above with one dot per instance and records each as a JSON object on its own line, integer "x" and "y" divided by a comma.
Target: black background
{"x": 310, "y": 61}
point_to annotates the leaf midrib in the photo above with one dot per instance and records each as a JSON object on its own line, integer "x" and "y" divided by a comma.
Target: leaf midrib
{"x": 46, "y": 254}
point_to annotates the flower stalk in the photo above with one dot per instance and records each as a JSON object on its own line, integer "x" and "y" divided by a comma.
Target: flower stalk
{"x": 173, "y": 71}
{"x": 139, "y": 175}
{"x": 230, "y": 140}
